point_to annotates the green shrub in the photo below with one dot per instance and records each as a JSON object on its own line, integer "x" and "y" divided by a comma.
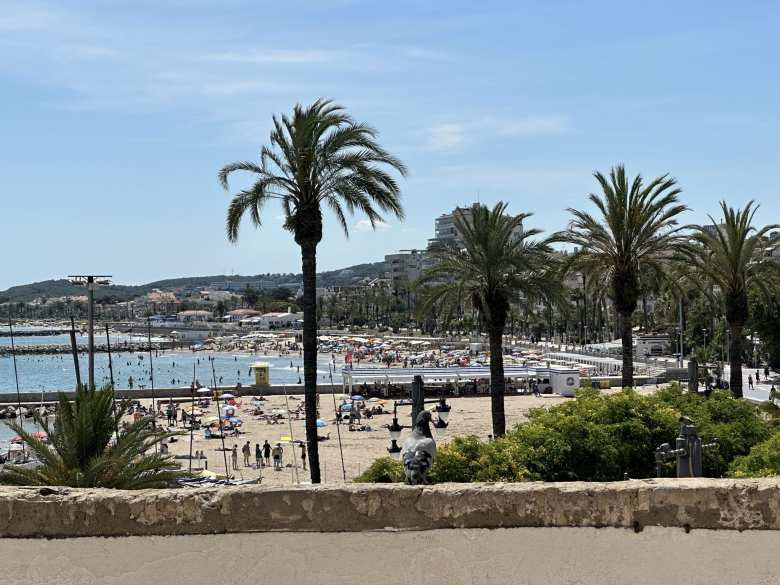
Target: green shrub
{"x": 601, "y": 437}
{"x": 737, "y": 424}
{"x": 762, "y": 461}
{"x": 383, "y": 470}
{"x": 594, "y": 438}
{"x": 468, "y": 459}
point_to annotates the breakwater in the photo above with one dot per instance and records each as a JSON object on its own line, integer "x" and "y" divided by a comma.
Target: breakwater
{"x": 50, "y": 348}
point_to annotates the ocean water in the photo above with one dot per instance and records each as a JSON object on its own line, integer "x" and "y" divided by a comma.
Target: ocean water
{"x": 171, "y": 370}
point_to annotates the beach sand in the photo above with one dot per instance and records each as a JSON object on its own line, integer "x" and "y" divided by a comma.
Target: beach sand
{"x": 469, "y": 416}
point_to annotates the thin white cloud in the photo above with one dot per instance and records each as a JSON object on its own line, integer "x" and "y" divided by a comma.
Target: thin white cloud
{"x": 275, "y": 56}
{"x": 531, "y": 126}
{"x": 446, "y": 136}
{"x": 364, "y": 225}
{"x": 85, "y": 52}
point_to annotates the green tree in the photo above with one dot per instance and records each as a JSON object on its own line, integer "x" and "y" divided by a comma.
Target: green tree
{"x": 319, "y": 159}
{"x": 732, "y": 258}
{"x": 251, "y": 296}
{"x": 634, "y": 233}
{"x": 81, "y": 453}
{"x": 499, "y": 260}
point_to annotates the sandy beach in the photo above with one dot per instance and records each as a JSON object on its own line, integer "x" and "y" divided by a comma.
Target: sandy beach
{"x": 469, "y": 416}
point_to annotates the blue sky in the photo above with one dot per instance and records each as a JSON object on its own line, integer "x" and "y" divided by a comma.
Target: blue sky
{"x": 115, "y": 116}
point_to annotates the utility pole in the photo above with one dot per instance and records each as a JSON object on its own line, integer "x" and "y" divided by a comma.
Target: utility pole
{"x": 90, "y": 280}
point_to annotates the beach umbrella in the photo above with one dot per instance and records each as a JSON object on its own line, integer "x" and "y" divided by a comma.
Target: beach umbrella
{"x": 235, "y": 421}
{"x": 345, "y": 407}
{"x": 321, "y": 423}
{"x": 42, "y": 435}
{"x": 358, "y": 397}
{"x": 341, "y": 396}
{"x": 227, "y": 395}
{"x": 203, "y": 391}
{"x": 212, "y": 419}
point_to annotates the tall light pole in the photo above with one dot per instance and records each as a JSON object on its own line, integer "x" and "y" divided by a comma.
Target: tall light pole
{"x": 705, "y": 339}
{"x": 90, "y": 280}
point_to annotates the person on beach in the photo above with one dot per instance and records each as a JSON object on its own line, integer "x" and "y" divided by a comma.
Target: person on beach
{"x": 750, "y": 382}
{"x": 277, "y": 453}
{"x": 258, "y": 456}
{"x": 246, "y": 450}
{"x": 234, "y": 457}
{"x": 267, "y": 453}
{"x": 303, "y": 456}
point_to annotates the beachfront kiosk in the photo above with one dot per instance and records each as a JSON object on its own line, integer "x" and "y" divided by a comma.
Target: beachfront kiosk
{"x": 261, "y": 371}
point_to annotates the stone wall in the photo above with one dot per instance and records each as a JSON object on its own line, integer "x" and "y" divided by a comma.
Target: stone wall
{"x": 688, "y": 504}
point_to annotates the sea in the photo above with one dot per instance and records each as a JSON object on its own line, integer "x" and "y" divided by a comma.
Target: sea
{"x": 171, "y": 369}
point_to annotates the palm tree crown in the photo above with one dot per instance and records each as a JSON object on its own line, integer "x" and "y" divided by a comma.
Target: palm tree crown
{"x": 732, "y": 258}
{"x": 498, "y": 262}
{"x": 636, "y": 231}
{"x": 318, "y": 157}
{"x": 81, "y": 452}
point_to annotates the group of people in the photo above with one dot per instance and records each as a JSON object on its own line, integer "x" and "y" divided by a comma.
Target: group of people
{"x": 264, "y": 455}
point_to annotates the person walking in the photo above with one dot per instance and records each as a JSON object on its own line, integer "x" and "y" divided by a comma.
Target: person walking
{"x": 267, "y": 453}
{"x": 234, "y": 457}
{"x": 750, "y": 382}
{"x": 303, "y": 455}
{"x": 246, "y": 450}
{"x": 276, "y": 453}
{"x": 258, "y": 456}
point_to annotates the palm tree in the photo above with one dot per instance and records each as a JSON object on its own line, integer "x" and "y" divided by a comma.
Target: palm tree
{"x": 498, "y": 262}
{"x": 732, "y": 258}
{"x": 636, "y": 231}
{"x": 81, "y": 453}
{"x": 319, "y": 157}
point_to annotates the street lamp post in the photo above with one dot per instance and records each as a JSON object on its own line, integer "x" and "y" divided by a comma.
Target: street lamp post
{"x": 90, "y": 280}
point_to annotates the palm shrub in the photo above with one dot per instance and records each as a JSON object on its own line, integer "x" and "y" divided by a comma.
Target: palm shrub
{"x": 732, "y": 258}
{"x": 81, "y": 452}
{"x": 319, "y": 159}
{"x": 498, "y": 262}
{"x": 630, "y": 240}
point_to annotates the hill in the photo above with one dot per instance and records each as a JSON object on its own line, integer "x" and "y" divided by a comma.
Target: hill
{"x": 119, "y": 292}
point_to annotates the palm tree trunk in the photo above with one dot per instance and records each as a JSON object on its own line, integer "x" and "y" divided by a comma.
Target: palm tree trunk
{"x": 735, "y": 359}
{"x": 497, "y": 381}
{"x": 309, "y": 265}
{"x": 626, "y": 338}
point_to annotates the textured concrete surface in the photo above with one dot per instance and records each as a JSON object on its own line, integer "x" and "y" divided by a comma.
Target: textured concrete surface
{"x": 520, "y": 556}
{"x": 687, "y": 504}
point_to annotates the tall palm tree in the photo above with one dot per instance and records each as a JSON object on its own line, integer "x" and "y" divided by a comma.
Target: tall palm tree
{"x": 317, "y": 158}
{"x": 497, "y": 262}
{"x": 636, "y": 230}
{"x": 732, "y": 258}
{"x": 80, "y": 452}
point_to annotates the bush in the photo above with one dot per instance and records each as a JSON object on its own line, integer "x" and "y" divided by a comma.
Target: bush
{"x": 383, "y": 470}
{"x": 762, "y": 461}
{"x": 594, "y": 438}
{"x": 737, "y": 424}
{"x": 602, "y": 437}
{"x": 467, "y": 459}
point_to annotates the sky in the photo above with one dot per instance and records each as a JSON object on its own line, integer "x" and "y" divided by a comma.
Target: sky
{"x": 115, "y": 117}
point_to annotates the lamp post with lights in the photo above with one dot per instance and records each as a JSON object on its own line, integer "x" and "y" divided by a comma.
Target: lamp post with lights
{"x": 90, "y": 280}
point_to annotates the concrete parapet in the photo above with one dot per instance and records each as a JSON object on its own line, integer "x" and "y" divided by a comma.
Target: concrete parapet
{"x": 689, "y": 504}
